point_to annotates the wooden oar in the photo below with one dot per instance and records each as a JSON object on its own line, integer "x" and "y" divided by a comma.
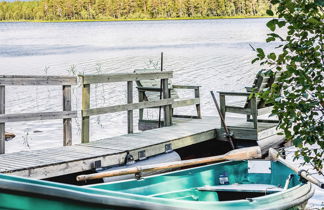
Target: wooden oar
{"x": 238, "y": 154}
{"x": 228, "y": 134}
{"x": 274, "y": 155}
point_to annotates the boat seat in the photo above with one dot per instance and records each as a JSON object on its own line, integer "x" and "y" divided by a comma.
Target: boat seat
{"x": 257, "y": 188}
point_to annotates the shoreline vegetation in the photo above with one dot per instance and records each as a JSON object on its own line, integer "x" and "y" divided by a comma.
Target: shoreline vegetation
{"x": 129, "y": 10}
{"x": 136, "y": 19}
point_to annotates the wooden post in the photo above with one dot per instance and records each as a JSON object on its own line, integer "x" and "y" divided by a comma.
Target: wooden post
{"x": 141, "y": 99}
{"x": 197, "y": 95}
{"x": 85, "y": 137}
{"x": 161, "y": 93}
{"x": 67, "y": 123}
{"x": 130, "y": 112}
{"x": 222, "y": 106}
{"x": 2, "y": 125}
{"x": 167, "y": 108}
{"x": 254, "y": 112}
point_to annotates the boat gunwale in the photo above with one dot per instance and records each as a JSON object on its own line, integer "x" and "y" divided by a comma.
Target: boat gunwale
{"x": 287, "y": 204}
{"x": 110, "y": 198}
{"x": 90, "y": 196}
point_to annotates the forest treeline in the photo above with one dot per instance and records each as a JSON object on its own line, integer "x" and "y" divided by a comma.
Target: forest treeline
{"x": 129, "y": 9}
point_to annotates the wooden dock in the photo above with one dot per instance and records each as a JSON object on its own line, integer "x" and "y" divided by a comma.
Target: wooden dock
{"x": 59, "y": 161}
{"x": 91, "y": 154}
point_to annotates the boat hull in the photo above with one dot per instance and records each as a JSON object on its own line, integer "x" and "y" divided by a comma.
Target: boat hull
{"x": 175, "y": 190}
{"x": 182, "y": 188}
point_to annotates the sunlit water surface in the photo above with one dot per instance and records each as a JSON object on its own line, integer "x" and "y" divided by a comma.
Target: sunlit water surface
{"x": 215, "y": 54}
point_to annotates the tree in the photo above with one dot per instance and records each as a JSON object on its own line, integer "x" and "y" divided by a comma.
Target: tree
{"x": 298, "y": 97}
{"x": 120, "y": 9}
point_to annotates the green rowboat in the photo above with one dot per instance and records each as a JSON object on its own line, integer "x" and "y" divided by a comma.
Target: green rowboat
{"x": 228, "y": 185}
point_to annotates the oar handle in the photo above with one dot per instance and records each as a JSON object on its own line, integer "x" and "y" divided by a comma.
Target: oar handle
{"x": 238, "y": 154}
{"x": 274, "y": 155}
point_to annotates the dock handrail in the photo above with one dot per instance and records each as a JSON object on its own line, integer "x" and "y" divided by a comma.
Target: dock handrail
{"x": 23, "y": 80}
{"x": 86, "y": 112}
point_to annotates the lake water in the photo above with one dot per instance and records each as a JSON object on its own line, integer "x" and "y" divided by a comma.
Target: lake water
{"x": 215, "y": 54}
{"x": 212, "y": 53}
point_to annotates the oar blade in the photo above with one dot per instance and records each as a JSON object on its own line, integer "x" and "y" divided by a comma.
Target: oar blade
{"x": 244, "y": 153}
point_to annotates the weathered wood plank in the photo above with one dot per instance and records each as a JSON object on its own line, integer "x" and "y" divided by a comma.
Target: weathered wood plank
{"x": 12, "y": 162}
{"x": 194, "y": 139}
{"x": 133, "y": 148}
{"x": 130, "y": 116}
{"x": 48, "y": 171}
{"x": 167, "y": 134}
{"x": 126, "y": 144}
{"x": 121, "y": 77}
{"x": 177, "y": 132}
{"x": 151, "y": 89}
{"x": 238, "y": 110}
{"x": 85, "y": 133}
{"x": 62, "y": 155}
{"x": 67, "y": 123}
{"x": 254, "y": 112}
{"x": 197, "y": 96}
{"x": 240, "y": 133}
{"x": 112, "y": 151}
{"x": 185, "y": 102}
{"x": 222, "y": 103}
{"x": 133, "y": 139}
{"x": 76, "y": 151}
{"x": 185, "y": 87}
{"x": 31, "y": 159}
{"x": 167, "y": 108}
{"x": 46, "y": 157}
{"x": 37, "y": 116}
{"x": 141, "y": 99}
{"x": 43, "y": 157}
{"x": 234, "y": 93}
{"x": 126, "y": 107}
{"x": 37, "y": 80}
{"x": 2, "y": 125}
{"x": 15, "y": 162}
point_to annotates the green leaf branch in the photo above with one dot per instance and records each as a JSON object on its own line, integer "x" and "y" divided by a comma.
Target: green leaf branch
{"x": 298, "y": 97}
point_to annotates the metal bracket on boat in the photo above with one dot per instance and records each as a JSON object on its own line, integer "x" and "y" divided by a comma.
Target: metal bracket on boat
{"x": 282, "y": 153}
{"x": 228, "y": 135}
{"x": 96, "y": 164}
{"x": 168, "y": 148}
{"x": 138, "y": 175}
{"x": 141, "y": 155}
{"x": 129, "y": 159}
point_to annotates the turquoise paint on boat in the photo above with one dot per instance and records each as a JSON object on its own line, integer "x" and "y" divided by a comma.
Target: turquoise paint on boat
{"x": 181, "y": 189}
{"x": 176, "y": 190}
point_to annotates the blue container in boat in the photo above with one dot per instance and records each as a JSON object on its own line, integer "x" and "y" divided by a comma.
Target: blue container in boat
{"x": 223, "y": 179}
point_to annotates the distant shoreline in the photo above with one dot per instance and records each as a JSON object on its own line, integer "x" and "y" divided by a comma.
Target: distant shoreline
{"x": 138, "y": 19}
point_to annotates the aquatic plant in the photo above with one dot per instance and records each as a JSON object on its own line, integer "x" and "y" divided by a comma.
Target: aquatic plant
{"x": 26, "y": 138}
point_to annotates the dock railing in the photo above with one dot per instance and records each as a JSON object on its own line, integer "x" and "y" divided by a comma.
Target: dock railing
{"x": 86, "y": 80}
{"x": 21, "y": 80}
{"x": 86, "y": 112}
